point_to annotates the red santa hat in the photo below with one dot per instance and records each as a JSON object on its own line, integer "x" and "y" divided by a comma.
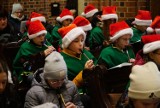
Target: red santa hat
{"x": 109, "y": 12}
{"x": 89, "y": 11}
{"x": 35, "y": 28}
{"x": 143, "y": 18}
{"x": 155, "y": 26}
{"x": 83, "y": 23}
{"x": 119, "y": 29}
{"x": 36, "y": 16}
{"x": 65, "y": 14}
{"x": 151, "y": 43}
{"x": 69, "y": 33}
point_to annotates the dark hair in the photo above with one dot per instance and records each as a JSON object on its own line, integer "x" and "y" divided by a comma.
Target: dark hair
{"x": 3, "y": 12}
{"x": 3, "y": 66}
{"x": 95, "y": 19}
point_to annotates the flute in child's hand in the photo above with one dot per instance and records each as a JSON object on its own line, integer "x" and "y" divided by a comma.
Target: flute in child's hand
{"x": 85, "y": 55}
{"x": 62, "y": 99}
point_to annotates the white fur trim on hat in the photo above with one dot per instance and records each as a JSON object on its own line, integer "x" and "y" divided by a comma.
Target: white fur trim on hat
{"x": 66, "y": 17}
{"x": 121, "y": 33}
{"x": 41, "y": 18}
{"x": 91, "y": 13}
{"x": 109, "y": 16}
{"x": 37, "y": 34}
{"x": 144, "y": 81}
{"x": 142, "y": 22}
{"x": 71, "y": 35}
{"x": 149, "y": 47}
{"x": 157, "y": 30}
{"x": 83, "y": 14}
{"x": 86, "y": 27}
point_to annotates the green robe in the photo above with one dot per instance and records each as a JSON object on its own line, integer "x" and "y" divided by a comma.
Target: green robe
{"x": 75, "y": 65}
{"x": 26, "y": 50}
{"x": 112, "y": 56}
{"x": 55, "y": 35}
{"x": 136, "y": 35}
{"x": 96, "y": 37}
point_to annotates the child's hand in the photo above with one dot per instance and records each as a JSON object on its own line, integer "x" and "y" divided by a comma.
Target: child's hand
{"x": 70, "y": 105}
{"x": 131, "y": 60}
{"x": 49, "y": 50}
{"x": 89, "y": 65}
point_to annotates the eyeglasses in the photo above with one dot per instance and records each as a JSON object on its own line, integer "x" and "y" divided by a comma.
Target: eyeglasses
{"x": 56, "y": 81}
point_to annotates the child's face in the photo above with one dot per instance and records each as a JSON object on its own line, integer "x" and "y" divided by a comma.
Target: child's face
{"x": 77, "y": 44}
{"x": 3, "y": 81}
{"x": 146, "y": 103}
{"x": 66, "y": 22}
{"x": 155, "y": 56}
{"x": 141, "y": 28}
{"x": 55, "y": 83}
{"x": 39, "y": 39}
{"x": 3, "y": 23}
{"x": 123, "y": 41}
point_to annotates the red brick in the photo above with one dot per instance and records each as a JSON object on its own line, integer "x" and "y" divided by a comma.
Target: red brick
{"x": 131, "y": 9}
{"x": 130, "y": 4}
{"x": 130, "y": 14}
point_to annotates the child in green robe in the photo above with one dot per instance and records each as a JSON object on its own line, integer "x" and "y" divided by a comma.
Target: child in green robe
{"x": 32, "y": 53}
{"x": 118, "y": 52}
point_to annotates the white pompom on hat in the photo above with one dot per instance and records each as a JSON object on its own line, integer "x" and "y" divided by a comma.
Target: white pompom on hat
{"x": 55, "y": 66}
{"x": 155, "y": 26}
{"x": 69, "y": 33}
{"x": 16, "y": 7}
{"x": 144, "y": 82}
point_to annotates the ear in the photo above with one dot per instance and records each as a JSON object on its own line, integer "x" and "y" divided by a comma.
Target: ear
{"x": 151, "y": 55}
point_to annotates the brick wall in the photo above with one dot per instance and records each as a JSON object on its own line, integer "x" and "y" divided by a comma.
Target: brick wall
{"x": 125, "y": 8}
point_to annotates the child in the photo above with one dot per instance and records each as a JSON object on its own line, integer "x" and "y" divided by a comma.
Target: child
{"x": 155, "y": 26}
{"x": 144, "y": 90}
{"x": 150, "y": 50}
{"x": 140, "y": 24}
{"x": 117, "y": 52}
{"x": 76, "y": 57}
{"x": 51, "y": 85}
{"x": 85, "y": 25}
{"x": 73, "y": 52}
{"x": 109, "y": 16}
{"x": 65, "y": 18}
{"x": 33, "y": 51}
{"x": 8, "y": 94}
